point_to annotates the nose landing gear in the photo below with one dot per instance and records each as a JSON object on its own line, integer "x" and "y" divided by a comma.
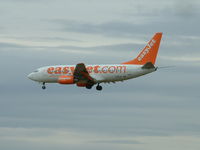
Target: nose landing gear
{"x": 99, "y": 87}
{"x": 43, "y": 86}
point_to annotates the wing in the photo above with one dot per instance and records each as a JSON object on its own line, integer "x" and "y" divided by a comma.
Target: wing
{"x": 81, "y": 73}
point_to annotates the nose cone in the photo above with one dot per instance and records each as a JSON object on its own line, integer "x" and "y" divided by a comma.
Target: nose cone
{"x": 31, "y": 76}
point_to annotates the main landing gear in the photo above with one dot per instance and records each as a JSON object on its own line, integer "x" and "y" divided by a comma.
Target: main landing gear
{"x": 43, "y": 86}
{"x": 98, "y": 87}
{"x": 89, "y": 86}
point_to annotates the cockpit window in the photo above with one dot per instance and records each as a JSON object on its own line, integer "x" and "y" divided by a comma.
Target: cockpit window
{"x": 36, "y": 71}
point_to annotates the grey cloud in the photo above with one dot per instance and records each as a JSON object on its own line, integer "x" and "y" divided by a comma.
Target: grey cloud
{"x": 129, "y": 29}
{"x": 173, "y": 8}
{"x": 45, "y": 39}
{"x": 187, "y": 9}
{"x": 29, "y": 1}
{"x": 169, "y": 20}
{"x": 116, "y": 47}
{"x": 59, "y": 39}
{"x": 117, "y": 142}
{"x": 10, "y": 45}
{"x": 107, "y": 29}
{"x": 158, "y": 116}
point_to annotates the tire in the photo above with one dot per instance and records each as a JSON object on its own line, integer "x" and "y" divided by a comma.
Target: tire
{"x": 99, "y": 88}
{"x": 88, "y": 86}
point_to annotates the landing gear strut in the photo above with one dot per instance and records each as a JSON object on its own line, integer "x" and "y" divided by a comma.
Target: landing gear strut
{"x": 99, "y": 87}
{"x": 89, "y": 86}
{"x": 43, "y": 86}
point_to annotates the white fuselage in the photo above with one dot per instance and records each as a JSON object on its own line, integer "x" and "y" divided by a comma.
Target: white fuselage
{"x": 88, "y": 75}
{"x": 100, "y": 73}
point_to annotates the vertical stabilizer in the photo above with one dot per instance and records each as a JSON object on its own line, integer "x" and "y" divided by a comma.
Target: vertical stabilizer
{"x": 149, "y": 53}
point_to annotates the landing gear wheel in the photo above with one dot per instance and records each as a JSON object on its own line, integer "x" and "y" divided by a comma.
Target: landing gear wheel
{"x": 99, "y": 87}
{"x": 43, "y": 87}
{"x": 88, "y": 86}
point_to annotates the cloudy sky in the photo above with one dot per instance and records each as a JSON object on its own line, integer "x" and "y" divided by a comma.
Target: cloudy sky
{"x": 157, "y": 111}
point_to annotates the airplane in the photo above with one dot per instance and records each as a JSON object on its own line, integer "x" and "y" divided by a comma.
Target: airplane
{"x": 89, "y": 75}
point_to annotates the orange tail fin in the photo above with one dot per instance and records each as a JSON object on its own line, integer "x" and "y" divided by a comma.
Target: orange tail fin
{"x": 149, "y": 53}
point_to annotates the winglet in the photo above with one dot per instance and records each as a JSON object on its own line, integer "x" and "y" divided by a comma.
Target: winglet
{"x": 149, "y": 53}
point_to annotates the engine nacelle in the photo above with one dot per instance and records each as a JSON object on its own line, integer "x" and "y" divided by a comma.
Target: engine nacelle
{"x": 66, "y": 80}
{"x": 81, "y": 84}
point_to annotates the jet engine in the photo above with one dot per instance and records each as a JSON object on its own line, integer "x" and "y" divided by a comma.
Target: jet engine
{"x": 79, "y": 84}
{"x": 66, "y": 80}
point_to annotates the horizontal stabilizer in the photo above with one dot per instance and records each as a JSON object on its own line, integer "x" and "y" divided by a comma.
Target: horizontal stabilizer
{"x": 148, "y": 65}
